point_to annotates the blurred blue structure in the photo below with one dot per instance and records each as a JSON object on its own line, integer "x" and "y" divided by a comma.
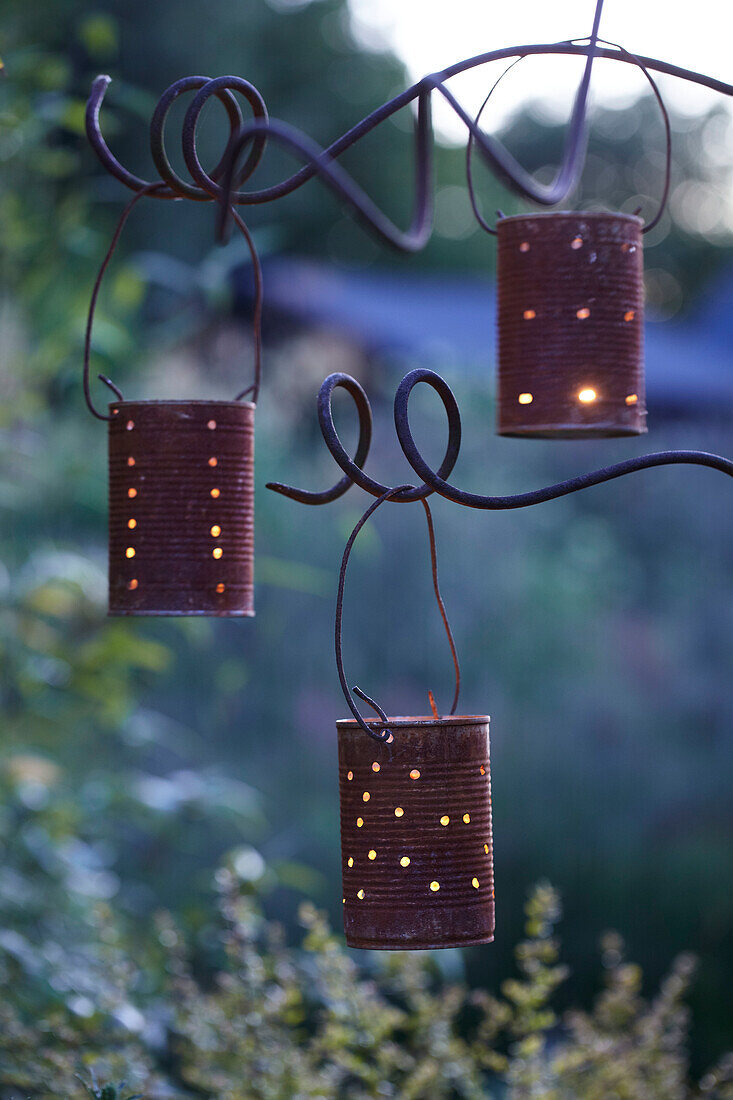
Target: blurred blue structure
{"x": 445, "y": 320}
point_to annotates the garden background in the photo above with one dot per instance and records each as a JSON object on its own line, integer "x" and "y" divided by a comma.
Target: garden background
{"x": 159, "y": 765}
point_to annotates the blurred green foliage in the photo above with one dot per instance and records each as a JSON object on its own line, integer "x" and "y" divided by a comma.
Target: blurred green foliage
{"x": 272, "y": 1022}
{"x": 136, "y": 756}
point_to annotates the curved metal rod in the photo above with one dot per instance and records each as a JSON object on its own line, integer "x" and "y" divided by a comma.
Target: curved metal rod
{"x": 436, "y": 81}
{"x": 500, "y": 159}
{"x": 364, "y": 410}
{"x": 352, "y": 469}
{"x": 174, "y": 187}
{"x": 335, "y": 177}
{"x": 667, "y": 135}
{"x": 382, "y": 732}
{"x": 437, "y": 481}
{"x": 341, "y": 183}
{"x": 386, "y": 110}
{"x": 225, "y": 94}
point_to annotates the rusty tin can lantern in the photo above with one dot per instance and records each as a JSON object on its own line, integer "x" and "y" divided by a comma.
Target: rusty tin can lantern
{"x": 416, "y": 840}
{"x": 570, "y": 325}
{"x": 416, "y": 845}
{"x": 181, "y": 508}
{"x": 181, "y": 488}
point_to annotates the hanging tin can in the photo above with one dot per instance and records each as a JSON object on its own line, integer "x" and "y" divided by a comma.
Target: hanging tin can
{"x": 181, "y": 485}
{"x": 181, "y": 508}
{"x": 416, "y": 843}
{"x": 570, "y": 325}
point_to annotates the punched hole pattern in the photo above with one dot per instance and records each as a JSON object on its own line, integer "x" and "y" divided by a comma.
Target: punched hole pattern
{"x": 405, "y": 860}
{"x": 588, "y": 395}
{"x": 146, "y": 518}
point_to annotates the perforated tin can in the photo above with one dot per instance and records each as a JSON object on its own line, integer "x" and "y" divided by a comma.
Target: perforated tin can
{"x": 570, "y": 325}
{"x": 416, "y": 839}
{"x": 181, "y": 508}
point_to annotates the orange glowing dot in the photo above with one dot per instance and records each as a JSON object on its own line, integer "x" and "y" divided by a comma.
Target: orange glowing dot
{"x": 435, "y": 886}
{"x": 398, "y": 811}
{"x": 216, "y": 530}
{"x": 115, "y": 412}
{"x": 131, "y": 461}
{"x": 360, "y": 895}
{"x": 405, "y": 861}
{"x": 372, "y": 854}
{"x": 349, "y": 775}
{"x": 475, "y": 883}
{"x": 375, "y": 766}
{"x": 414, "y": 774}
{"x": 445, "y": 820}
{"x": 366, "y": 796}
{"x": 482, "y": 769}
{"x": 130, "y": 552}
{"x": 389, "y": 740}
{"x": 130, "y": 425}
{"x": 587, "y": 396}
{"x": 524, "y": 246}
{"x": 220, "y": 587}
{"x": 132, "y": 585}
{"x": 215, "y": 493}
{"x": 525, "y": 398}
{"x": 211, "y": 425}
{"x": 350, "y": 861}
{"x": 217, "y": 552}
{"x": 529, "y": 315}
{"x": 583, "y": 313}
{"x": 576, "y": 243}
{"x": 632, "y": 398}
{"x": 624, "y": 247}
{"x": 486, "y": 849}
{"x": 359, "y": 822}
{"x": 343, "y": 901}
{"x": 629, "y": 315}
{"x": 466, "y": 818}
{"x": 132, "y": 524}
{"x": 132, "y": 493}
{"x": 213, "y": 461}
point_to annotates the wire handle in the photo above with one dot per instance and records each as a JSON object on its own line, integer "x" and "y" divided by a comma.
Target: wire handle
{"x": 665, "y": 118}
{"x": 152, "y": 189}
{"x": 382, "y": 732}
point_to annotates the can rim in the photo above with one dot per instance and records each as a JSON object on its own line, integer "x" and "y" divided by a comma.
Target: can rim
{"x": 592, "y": 215}
{"x": 177, "y": 403}
{"x": 423, "y": 721}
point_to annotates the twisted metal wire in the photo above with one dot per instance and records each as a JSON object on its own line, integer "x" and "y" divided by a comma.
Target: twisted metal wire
{"x": 436, "y": 480}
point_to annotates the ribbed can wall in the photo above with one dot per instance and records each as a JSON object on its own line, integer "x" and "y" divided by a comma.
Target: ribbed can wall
{"x": 181, "y": 508}
{"x": 570, "y": 300}
{"x": 416, "y": 837}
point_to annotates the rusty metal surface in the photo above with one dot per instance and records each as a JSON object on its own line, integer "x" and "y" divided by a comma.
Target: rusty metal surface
{"x": 570, "y": 325}
{"x": 181, "y": 508}
{"x": 433, "y": 770}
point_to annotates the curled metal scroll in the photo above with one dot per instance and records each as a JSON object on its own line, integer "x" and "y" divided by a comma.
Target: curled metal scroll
{"x": 435, "y": 481}
{"x": 353, "y": 467}
{"x": 382, "y": 732}
{"x": 224, "y": 182}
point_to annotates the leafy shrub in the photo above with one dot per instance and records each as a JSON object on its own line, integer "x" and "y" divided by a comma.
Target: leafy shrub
{"x": 273, "y": 1023}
